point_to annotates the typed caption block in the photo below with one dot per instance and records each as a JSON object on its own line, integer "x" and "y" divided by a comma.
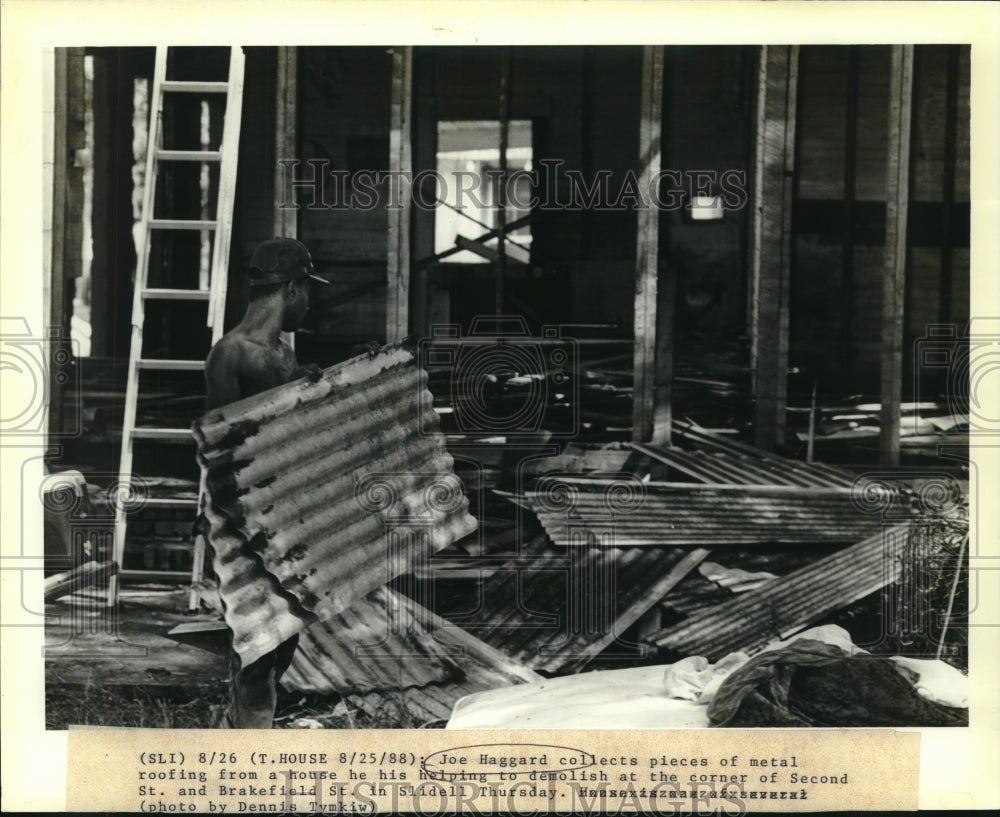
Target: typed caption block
{"x": 445, "y": 772}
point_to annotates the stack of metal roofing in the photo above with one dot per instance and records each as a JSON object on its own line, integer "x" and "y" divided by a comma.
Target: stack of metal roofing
{"x": 577, "y": 511}
{"x": 560, "y": 612}
{"x": 786, "y": 605}
{"x": 317, "y": 493}
{"x": 388, "y": 651}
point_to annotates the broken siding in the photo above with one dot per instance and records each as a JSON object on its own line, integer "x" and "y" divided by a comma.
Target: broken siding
{"x": 784, "y": 606}
{"x": 320, "y": 492}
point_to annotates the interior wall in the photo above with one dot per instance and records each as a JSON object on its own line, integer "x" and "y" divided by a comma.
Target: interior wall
{"x": 839, "y": 210}
{"x": 344, "y": 100}
{"x": 709, "y": 130}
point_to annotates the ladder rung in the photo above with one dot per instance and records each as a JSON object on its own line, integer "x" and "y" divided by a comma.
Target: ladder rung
{"x": 170, "y": 435}
{"x": 183, "y": 86}
{"x": 164, "y": 502}
{"x": 189, "y": 155}
{"x": 171, "y": 365}
{"x": 162, "y": 576}
{"x": 177, "y": 294}
{"x": 180, "y": 224}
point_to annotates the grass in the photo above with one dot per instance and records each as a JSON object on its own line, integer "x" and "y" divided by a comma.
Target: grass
{"x": 142, "y": 707}
{"x": 161, "y": 707}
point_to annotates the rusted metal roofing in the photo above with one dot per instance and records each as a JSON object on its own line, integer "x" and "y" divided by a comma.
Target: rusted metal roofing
{"x": 422, "y": 663}
{"x": 376, "y": 643}
{"x": 561, "y": 611}
{"x": 317, "y": 493}
{"x": 783, "y": 606}
{"x": 624, "y": 513}
{"x": 716, "y": 461}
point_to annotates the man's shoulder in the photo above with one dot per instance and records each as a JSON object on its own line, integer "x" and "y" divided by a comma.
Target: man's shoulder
{"x": 230, "y": 349}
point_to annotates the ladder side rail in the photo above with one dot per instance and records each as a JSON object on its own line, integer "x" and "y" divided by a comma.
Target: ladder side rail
{"x": 154, "y": 137}
{"x": 219, "y": 276}
{"x": 230, "y": 148}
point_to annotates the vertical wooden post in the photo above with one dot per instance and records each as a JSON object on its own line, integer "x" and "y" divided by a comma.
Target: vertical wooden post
{"x": 501, "y": 197}
{"x": 948, "y": 187}
{"x": 777, "y": 87}
{"x": 894, "y": 276}
{"x": 400, "y": 163}
{"x": 65, "y": 261}
{"x": 647, "y": 259}
{"x": 60, "y": 169}
{"x": 286, "y": 140}
{"x": 847, "y": 224}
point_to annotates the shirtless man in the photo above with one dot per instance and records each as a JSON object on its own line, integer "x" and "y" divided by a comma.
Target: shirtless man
{"x": 250, "y": 359}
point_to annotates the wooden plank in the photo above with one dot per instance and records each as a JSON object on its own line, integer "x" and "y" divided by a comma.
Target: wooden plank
{"x": 186, "y": 87}
{"x": 400, "y": 162}
{"x": 847, "y": 225}
{"x": 87, "y": 574}
{"x": 181, "y": 224}
{"x": 948, "y": 191}
{"x": 501, "y": 200}
{"x": 286, "y": 135}
{"x": 138, "y": 316}
{"x": 176, "y": 294}
{"x": 226, "y": 197}
{"x": 188, "y": 156}
{"x": 647, "y": 255}
{"x": 57, "y": 316}
{"x": 894, "y": 272}
{"x": 773, "y": 188}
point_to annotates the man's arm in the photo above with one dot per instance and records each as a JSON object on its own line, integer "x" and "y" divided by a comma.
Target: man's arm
{"x": 222, "y": 380}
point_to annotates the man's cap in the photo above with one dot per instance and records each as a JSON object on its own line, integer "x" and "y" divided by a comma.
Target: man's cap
{"x": 281, "y": 259}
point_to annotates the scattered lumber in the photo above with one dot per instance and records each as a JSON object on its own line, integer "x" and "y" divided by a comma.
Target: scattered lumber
{"x": 87, "y": 574}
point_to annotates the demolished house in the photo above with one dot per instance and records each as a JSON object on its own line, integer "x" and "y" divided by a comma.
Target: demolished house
{"x": 614, "y": 465}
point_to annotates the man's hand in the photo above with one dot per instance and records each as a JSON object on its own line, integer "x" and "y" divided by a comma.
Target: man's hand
{"x": 372, "y": 348}
{"x": 310, "y": 370}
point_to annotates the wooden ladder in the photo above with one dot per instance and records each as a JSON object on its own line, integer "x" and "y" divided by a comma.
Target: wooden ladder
{"x": 214, "y": 295}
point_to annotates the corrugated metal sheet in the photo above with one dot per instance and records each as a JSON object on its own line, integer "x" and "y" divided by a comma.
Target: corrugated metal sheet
{"x": 422, "y": 668}
{"x": 320, "y": 492}
{"x": 783, "y": 606}
{"x": 716, "y": 467}
{"x": 376, "y": 643}
{"x": 579, "y": 511}
{"x": 713, "y": 459}
{"x": 562, "y": 611}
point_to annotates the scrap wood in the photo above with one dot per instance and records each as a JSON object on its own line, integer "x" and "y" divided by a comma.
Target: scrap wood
{"x": 87, "y": 574}
{"x": 786, "y": 605}
{"x": 206, "y": 634}
{"x": 304, "y": 482}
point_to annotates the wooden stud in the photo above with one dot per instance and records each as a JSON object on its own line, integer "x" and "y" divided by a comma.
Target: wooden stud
{"x": 894, "y": 274}
{"x": 286, "y": 144}
{"x": 501, "y": 197}
{"x": 948, "y": 191}
{"x": 400, "y": 166}
{"x": 57, "y": 317}
{"x": 777, "y": 88}
{"x": 847, "y": 225}
{"x": 647, "y": 260}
